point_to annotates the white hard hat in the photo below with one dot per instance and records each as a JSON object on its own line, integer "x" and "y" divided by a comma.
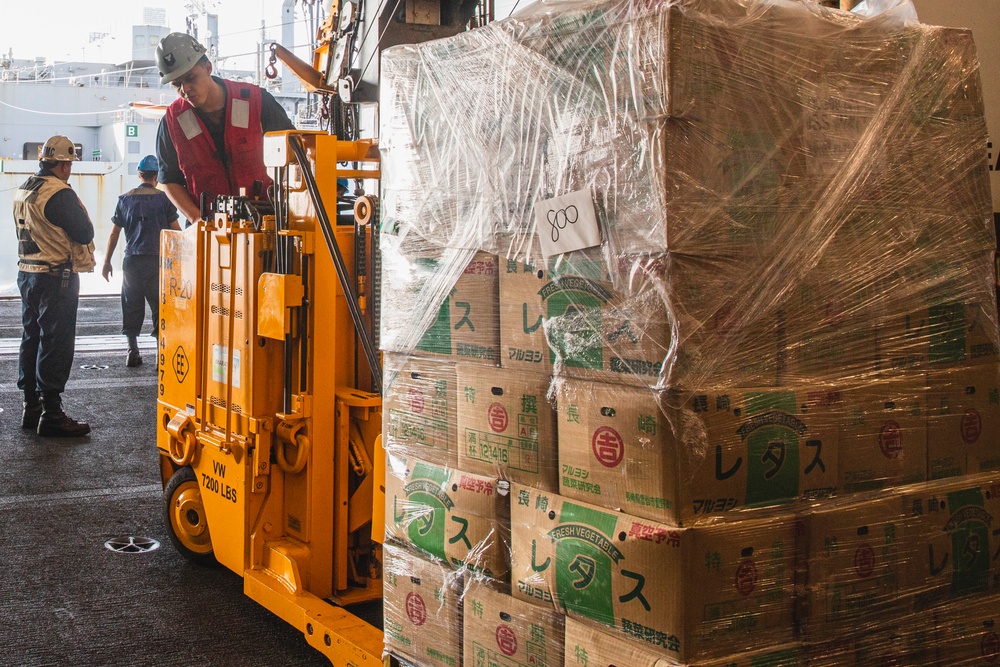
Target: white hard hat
{"x": 59, "y": 149}
{"x": 176, "y": 54}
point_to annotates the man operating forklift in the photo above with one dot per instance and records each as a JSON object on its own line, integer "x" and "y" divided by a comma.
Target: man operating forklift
{"x": 211, "y": 139}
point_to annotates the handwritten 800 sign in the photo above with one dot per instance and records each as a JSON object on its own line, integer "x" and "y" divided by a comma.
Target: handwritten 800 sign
{"x": 559, "y": 218}
{"x": 567, "y": 223}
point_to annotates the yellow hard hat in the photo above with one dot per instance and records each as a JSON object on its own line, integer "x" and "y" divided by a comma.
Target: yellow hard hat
{"x": 59, "y": 149}
{"x": 176, "y": 54}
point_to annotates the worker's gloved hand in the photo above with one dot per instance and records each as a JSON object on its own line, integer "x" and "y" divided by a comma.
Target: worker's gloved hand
{"x": 107, "y": 271}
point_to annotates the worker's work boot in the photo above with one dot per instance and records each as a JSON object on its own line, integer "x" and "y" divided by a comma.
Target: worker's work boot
{"x": 55, "y": 423}
{"x": 60, "y": 425}
{"x": 133, "y": 359}
{"x": 31, "y": 415}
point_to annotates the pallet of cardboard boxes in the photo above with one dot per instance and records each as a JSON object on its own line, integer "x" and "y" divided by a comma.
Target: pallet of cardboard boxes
{"x": 759, "y": 423}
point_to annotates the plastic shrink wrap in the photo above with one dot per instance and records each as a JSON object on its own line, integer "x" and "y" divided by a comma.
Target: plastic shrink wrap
{"x": 758, "y": 423}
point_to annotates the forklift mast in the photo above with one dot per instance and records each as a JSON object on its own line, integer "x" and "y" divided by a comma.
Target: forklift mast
{"x": 269, "y": 399}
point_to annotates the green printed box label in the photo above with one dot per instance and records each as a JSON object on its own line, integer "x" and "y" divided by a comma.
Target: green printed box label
{"x": 969, "y": 527}
{"x": 425, "y": 509}
{"x": 586, "y": 558}
{"x": 771, "y": 434}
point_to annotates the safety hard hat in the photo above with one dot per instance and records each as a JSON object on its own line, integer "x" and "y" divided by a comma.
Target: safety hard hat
{"x": 342, "y": 183}
{"x": 176, "y": 54}
{"x": 149, "y": 163}
{"x": 59, "y": 149}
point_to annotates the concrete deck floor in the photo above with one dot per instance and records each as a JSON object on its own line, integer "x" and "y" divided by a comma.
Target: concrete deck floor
{"x": 64, "y": 598}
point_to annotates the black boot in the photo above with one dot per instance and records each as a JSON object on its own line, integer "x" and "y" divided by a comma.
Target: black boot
{"x": 61, "y": 425}
{"x": 57, "y": 424}
{"x": 132, "y": 359}
{"x": 32, "y": 412}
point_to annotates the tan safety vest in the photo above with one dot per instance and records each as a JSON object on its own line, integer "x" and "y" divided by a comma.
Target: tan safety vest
{"x": 42, "y": 247}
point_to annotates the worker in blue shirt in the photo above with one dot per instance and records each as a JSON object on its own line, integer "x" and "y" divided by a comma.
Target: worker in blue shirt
{"x": 142, "y": 212}
{"x": 54, "y": 245}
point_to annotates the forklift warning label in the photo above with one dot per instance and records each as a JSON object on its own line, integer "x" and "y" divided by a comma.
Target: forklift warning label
{"x": 220, "y": 364}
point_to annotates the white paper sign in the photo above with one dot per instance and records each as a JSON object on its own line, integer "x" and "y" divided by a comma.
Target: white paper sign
{"x": 220, "y": 365}
{"x": 566, "y": 223}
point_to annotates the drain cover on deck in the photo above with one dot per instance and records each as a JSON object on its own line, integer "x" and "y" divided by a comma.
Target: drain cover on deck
{"x": 132, "y": 545}
{"x": 94, "y": 367}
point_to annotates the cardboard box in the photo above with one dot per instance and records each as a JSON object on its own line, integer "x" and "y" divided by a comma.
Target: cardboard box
{"x": 588, "y": 646}
{"x": 691, "y": 593}
{"x": 502, "y": 630}
{"x": 522, "y": 332}
{"x": 949, "y": 333}
{"x": 506, "y": 425}
{"x": 727, "y": 336}
{"x": 617, "y": 449}
{"x": 830, "y": 334}
{"x": 955, "y": 546}
{"x": 910, "y": 641}
{"x": 854, "y": 559}
{"x": 627, "y": 449}
{"x": 963, "y": 421}
{"x": 616, "y": 332}
{"x": 445, "y": 513}
{"x": 884, "y": 442}
{"x": 968, "y": 632}
{"x": 419, "y": 414}
{"x": 726, "y": 171}
{"x": 422, "y": 603}
{"x": 466, "y": 321}
{"x": 749, "y": 448}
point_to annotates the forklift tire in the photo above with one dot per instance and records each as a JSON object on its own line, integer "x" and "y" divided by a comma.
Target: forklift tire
{"x": 184, "y": 518}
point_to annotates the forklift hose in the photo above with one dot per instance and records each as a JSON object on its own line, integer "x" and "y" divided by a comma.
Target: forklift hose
{"x": 361, "y": 463}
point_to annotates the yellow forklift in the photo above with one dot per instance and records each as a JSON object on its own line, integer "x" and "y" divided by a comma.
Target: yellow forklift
{"x": 269, "y": 410}
{"x": 269, "y": 396}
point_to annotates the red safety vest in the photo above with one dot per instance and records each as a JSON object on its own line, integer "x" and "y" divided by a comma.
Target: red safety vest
{"x": 197, "y": 156}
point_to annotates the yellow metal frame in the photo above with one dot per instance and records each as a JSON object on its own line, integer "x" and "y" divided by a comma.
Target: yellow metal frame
{"x": 292, "y": 494}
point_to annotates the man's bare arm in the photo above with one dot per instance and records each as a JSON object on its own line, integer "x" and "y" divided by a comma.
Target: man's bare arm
{"x": 180, "y": 198}
{"x": 106, "y": 270}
